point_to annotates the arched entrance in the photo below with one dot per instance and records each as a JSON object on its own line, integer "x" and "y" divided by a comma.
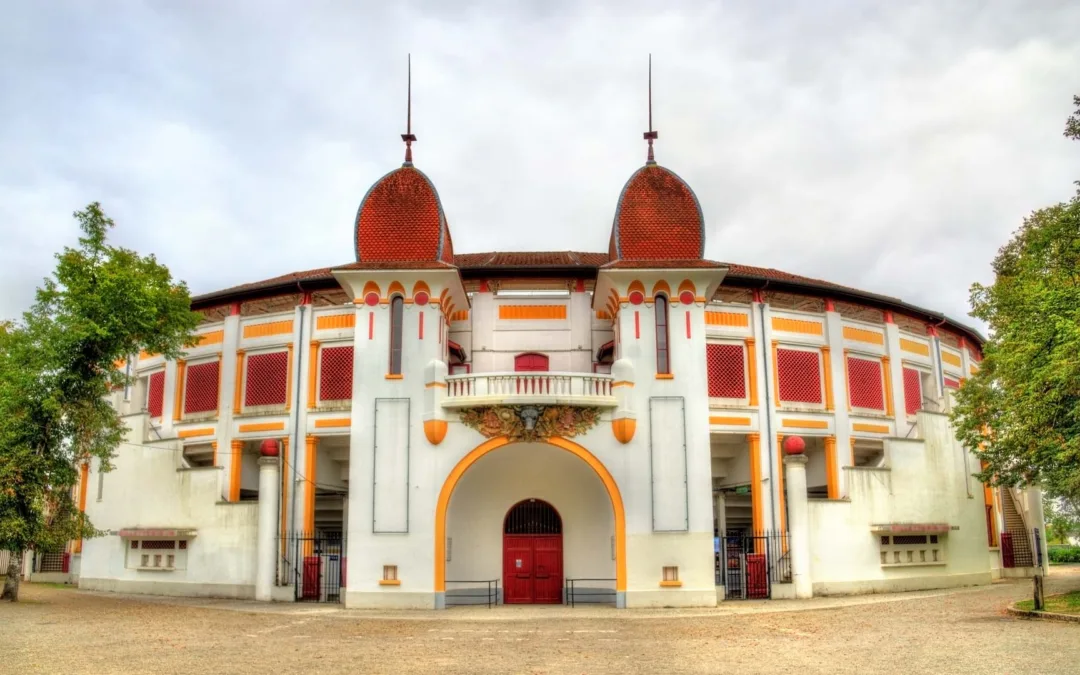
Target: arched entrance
{"x": 487, "y": 448}
{"x": 532, "y": 554}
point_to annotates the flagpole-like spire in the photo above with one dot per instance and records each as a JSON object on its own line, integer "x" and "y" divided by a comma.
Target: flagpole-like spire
{"x": 409, "y": 137}
{"x": 650, "y": 135}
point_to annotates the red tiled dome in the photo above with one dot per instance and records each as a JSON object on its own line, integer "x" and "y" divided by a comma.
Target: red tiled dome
{"x": 401, "y": 220}
{"x": 658, "y": 218}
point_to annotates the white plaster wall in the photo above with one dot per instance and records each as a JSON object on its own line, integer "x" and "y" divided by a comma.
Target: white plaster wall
{"x": 925, "y": 483}
{"x": 522, "y": 471}
{"x": 567, "y": 343}
{"x": 145, "y": 490}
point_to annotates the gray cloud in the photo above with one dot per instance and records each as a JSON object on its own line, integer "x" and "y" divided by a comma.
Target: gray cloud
{"x": 888, "y": 147}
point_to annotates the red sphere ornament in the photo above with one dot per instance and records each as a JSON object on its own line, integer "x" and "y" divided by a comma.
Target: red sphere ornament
{"x": 371, "y": 299}
{"x": 421, "y": 298}
{"x": 269, "y": 448}
{"x": 686, "y": 298}
{"x": 794, "y": 445}
{"x": 636, "y": 297}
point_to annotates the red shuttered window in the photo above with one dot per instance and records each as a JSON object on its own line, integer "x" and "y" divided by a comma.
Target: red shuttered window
{"x": 336, "y": 373}
{"x": 912, "y": 391}
{"x": 727, "y": 370}
{"x": 155, "y": 395}
{"x": 865, "y": 386}
{"x": 267, "y": 376}
{"x": 798, "y": 374}
{"x": 201, "y": 390}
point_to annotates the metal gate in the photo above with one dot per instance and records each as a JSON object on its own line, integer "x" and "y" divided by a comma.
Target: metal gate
{"x": 314, "y": 564}
{"x": 747, "y": 565}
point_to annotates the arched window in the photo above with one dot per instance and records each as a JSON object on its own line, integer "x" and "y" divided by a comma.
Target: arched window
{"x": 397, "y": 308}
{"x": 663, "y": 360}
{"x": 532, "y": 516}
{"x": 530, "y": 363}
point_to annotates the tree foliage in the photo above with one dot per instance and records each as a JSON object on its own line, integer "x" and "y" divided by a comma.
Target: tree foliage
{"x": 103, "y": 304}
{"x": 1022, "y": 409}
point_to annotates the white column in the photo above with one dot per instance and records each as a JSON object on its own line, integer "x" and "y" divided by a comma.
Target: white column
{"x": 1037, "y": 521}
{"x": 798, "y": 524}
{"x": 266, "y": 547}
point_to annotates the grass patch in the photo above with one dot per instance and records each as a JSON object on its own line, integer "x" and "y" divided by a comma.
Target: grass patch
{"x": 43, "y": 584}
{"x": 1059, "y": 604}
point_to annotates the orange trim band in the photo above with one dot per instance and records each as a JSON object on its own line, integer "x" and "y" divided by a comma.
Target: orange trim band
{"x": 267, "y": 329}
{"x": 782, "y": 503}
{"x": 870, "y": 428}
{"x": 751, "y": 361}
{"x": 775, "y": 378}
{"x": 665, "y": 376}
{"x": 826, "y": 362}
{"x": 289, "y": 378}
{"x": 194, "y": 433}
{"x": 235, "y": 457}
{"x": 238, "y": 383}
{"x": 178, "y": 398}
{"x": 732, "y": 421}
{"x": 832, "y": 467}
{"x": 756, "y": 502}
{"x": 313, "y": 369}
{"x": 888, "y": 385}
{"x": 335, "y": 422}
{"x": 804, "y": 424}
{"x": 261, "y": 426}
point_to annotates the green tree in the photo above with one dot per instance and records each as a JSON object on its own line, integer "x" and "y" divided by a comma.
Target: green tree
{"x": 1022, "y": 409}
{"x": 102, "y": 304}
{"x": 1062, "y": 519}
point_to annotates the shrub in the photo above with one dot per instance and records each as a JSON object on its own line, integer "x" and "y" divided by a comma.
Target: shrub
{"x": 1064, "y": 554}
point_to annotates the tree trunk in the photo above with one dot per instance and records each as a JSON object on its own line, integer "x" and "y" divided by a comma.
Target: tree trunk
{"x": 14, "y": 572}
{"x": 1039, "y": 605}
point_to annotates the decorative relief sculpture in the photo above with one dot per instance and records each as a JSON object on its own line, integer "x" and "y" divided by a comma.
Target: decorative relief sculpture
{"x": 530, "y": 422}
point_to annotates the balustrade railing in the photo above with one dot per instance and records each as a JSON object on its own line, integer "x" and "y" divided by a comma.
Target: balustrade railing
{"x": 533, "y": 386}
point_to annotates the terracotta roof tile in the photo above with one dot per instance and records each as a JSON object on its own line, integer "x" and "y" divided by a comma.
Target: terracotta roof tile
{"x": 516, "y": 259}
{"x": 658, "y": 218}
{"x": 661, "y": 264}
{"x": 401, "y": 218}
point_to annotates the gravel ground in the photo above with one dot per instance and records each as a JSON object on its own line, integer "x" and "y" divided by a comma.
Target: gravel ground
{"x": 56, "y": 630}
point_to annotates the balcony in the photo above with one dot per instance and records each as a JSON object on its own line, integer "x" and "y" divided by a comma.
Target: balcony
{"x": 536, "y": 388}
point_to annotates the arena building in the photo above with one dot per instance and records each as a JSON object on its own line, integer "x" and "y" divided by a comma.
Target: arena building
{"x": 641, "y": 426}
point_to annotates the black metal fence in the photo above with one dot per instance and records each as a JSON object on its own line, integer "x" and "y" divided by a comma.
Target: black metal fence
{"x": 747, "y": 564}
{"x": 472, "y": 592}
{"x": 313, "y": 563}
{"x": 589, "y": 592}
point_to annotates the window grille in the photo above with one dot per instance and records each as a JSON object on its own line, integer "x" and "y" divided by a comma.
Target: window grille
{"x": 397, "y": 308}
{"x": 671, "y": 574}
{"x": 336, "y": 373}
{"x": 909, "y": 539}
{"x": 663, "y": 359}
{"x": 865, "y": 386}
{"x": 201, "y": 392}
{"x": 912, "y": 391}
{"x": 158, "y": 544}
{"x": 267, "y": 376}
{"x": 727, "y": 370}
{"x": 798, "y": 375}
{"x": 155, "y": 395}
{"x": 533, "y": 517}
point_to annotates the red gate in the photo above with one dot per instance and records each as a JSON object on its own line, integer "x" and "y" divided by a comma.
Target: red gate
{"x": 532, "y": 554}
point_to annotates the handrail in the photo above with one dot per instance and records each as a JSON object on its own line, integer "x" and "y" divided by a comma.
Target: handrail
{"x": 530, "y": 385}
{"x": 490, "y": 592}
{"x": 571, "y": 594}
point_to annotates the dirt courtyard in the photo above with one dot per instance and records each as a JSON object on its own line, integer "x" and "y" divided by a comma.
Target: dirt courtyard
{"x": 61, "y": 630}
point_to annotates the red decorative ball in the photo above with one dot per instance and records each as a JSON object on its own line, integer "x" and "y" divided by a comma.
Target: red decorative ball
{"x": 636, "y": 297}
{"x": 686, "y": 298}
{"x": 269, "y": 448}
{"x": 421, "y": 298}
{"x": 794, "y": 445}
{"x": 371, "y": 299}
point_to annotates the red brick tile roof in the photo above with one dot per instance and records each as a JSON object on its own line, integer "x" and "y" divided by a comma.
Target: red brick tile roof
{"x": 661, "y": 264}
{"x": 529, "y": 259}
{"x": 658, "y": 217}
{"x": 402, "y": 219}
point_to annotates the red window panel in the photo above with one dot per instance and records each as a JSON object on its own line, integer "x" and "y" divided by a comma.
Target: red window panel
{"x": 798, "y": 374}
{"x": 155, "y": 397}
{"x": 266, "y": 379}
{"x": 201, "y": 391}
{"x": 865, "y": 387}
{"x": 530, "y": 363}
{"x": 951, "y": 383}
{"x": 336, "y": 373}
{"x": 912, "y": 391}
{"x": 727, "y": 371}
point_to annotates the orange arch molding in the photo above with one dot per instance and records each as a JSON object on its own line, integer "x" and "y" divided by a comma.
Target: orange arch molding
{"x": 496, "y": 443}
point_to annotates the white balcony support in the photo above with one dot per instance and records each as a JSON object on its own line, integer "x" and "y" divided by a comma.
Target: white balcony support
{"x": 531, "y": 388}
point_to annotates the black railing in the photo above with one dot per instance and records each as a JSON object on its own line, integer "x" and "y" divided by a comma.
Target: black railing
{"x": 488, "y": 594}
{"x": 313, "y": 563}
{"x": 747, "y": 564}
{"x": 576, "y": 592}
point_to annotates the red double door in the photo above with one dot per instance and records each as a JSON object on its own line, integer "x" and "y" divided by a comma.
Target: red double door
{"x": 532, "y": 568}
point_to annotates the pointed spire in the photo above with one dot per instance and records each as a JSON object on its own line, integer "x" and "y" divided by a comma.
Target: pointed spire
{"x": 650, "y": 135}
{"x": 409, "y": 137}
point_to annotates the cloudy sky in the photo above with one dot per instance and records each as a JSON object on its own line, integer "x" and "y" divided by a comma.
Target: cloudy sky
{"x": 888, "y": 146}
